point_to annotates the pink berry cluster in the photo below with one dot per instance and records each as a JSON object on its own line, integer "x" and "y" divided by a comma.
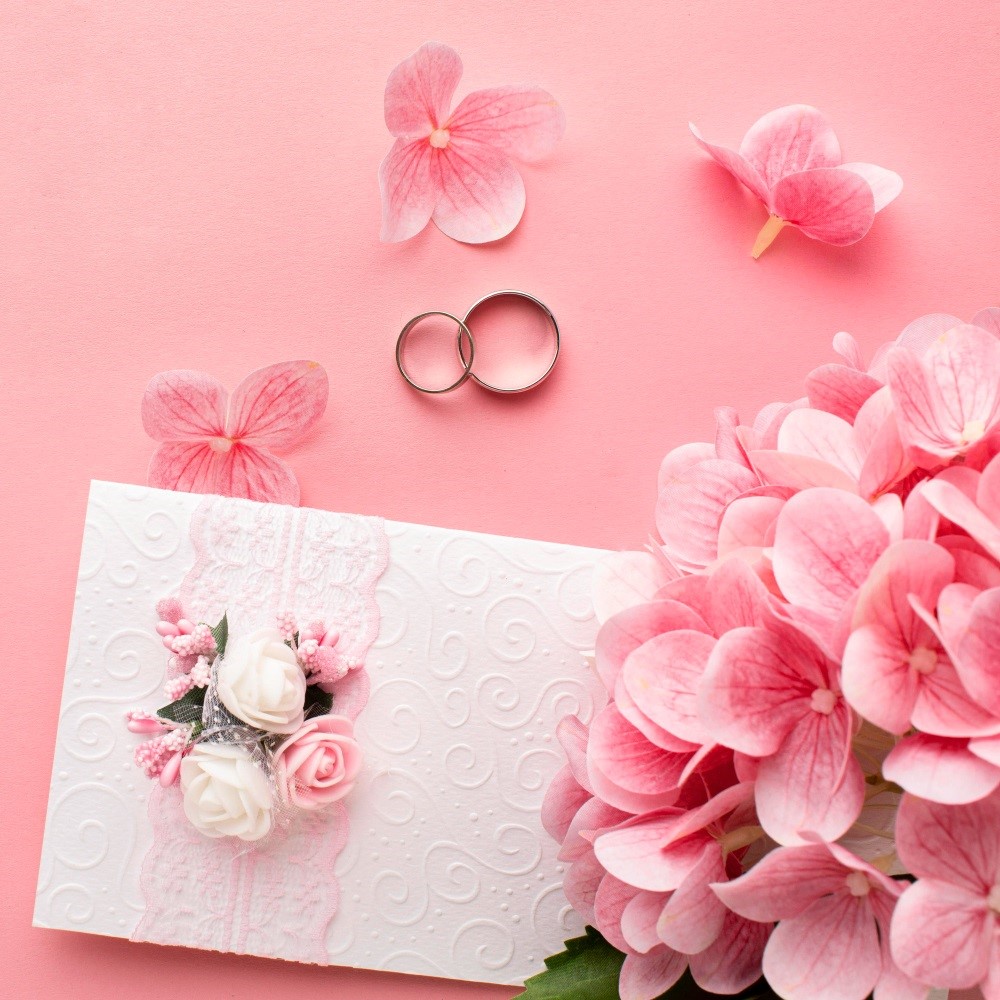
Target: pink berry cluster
{"x": 185, "y": 639}
{"x": 797, "y": 773}
{"x": 160, "y": 757}
{"x": 316, "y": 649}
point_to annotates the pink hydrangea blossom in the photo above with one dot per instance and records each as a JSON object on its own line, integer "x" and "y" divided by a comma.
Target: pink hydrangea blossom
{"x": 454, "y": 165}
{"x": 790, "y": 159}
{"x": 811, "y": 640}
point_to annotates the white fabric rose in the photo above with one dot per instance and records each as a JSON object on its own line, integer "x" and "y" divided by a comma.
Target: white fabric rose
{"x": 225, "y": 793}
{"x": 260, "y": 681}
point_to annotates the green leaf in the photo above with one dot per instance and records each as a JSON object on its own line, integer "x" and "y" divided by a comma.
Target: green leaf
{"x": 318, "y": 701}
{"x": 221, "y": 635}
{"x": 587, "y": 970}
{"x": 186, "y": 710}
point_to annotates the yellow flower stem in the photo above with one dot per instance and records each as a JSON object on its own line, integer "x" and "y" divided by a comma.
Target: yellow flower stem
{"x": 767, "y": 235}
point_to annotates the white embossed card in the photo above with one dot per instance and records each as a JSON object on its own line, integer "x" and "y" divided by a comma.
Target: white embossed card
{"x": 450, "y": 656}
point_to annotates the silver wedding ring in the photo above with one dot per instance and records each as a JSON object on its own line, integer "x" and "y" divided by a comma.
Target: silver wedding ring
{"x": 466, "y": 345}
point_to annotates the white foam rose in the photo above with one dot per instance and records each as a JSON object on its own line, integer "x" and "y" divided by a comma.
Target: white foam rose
{"x": 260, "y": 681}
{"x": 225, "y": 793}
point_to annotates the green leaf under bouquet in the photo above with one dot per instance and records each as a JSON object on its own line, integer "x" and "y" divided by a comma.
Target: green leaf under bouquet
{"x": 589, "y": 968}
{"x": 186, "y": 710}
{"x": 221, "y": 635}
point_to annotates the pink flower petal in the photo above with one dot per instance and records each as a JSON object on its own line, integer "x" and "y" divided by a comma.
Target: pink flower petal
{"x": 840, "y": 390}
{"x": 693, "y": 915}
{"x": 788, "y": 140}
{"x": 978, "y": 651}
{"x": 948, "y": 500}
{"x": 733, "y": 961}
{"x": 784, "y": 883}
{"x": 826, "y": 542}
{"x": 988, "y": 319}
{"x": 941, "y": 934}
{"x": 654, "y": 733}
{"x": 188, "y": 466}
{"x": 410, "y": 184}
{"x": 813, "y": 784}
{"x": 255, "y": 474}
{"x": 612, "y": 897}
{"x": 581, "y": 883}
{"x": 639, "y": 920}
{"x": 820, "y": 435}
{"x": 634, "y": 852}
{"x": 625, "y": 580}
{"x": 275, "y": 406}
{"x": 690, "y": 506}
{"x": 645, "y": 977}
{"x": 184, "y": 406}
{"x": 800, "y": 472}
{"x": 878, "y": 680}
{"x": 593, "y": 817}
{"x": 940, "y": 769}
{"x": 628, "y": 759}
{"x": 743, "y": 171}
{"x": 886, "y": 186}
{"x": 829, "y": 952}
{"x": 524, "y": 122}
{"x": 419, "y": 90}
{"x": 831, "y": 205}
{"x": 482, "y": 194}
{"x": 572, "y": 735}
{"x": 748, "y": 522}
{"x": 956, "y": 844}
{"x": 757, "y": 686}
{"x": 663, "y": 675}
{"x": 563, "y": 799}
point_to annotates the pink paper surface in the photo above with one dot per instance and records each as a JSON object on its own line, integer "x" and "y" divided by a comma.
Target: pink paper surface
{"x": 197, "y": 186}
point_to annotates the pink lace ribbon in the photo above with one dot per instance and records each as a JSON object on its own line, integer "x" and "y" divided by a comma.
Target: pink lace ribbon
{"x": 253, "y": 561}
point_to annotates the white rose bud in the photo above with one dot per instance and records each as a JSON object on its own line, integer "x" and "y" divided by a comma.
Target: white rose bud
{"x": 260, "y": 681}
{"x": 225, "y": 793}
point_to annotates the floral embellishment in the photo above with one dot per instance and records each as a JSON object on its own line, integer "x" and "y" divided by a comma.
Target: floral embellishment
{"x": 248, "y": 731}
{"x": 797, "y": 773}
{"x": 454, "y": 166}
{"x": 790, "y": 159}
{"x": 211, "y": 442}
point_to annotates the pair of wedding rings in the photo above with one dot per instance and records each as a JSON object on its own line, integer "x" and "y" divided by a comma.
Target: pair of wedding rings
{"x": 466, "y": 345}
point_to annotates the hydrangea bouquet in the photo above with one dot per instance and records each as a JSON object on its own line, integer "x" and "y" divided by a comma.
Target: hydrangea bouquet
{"x": 797, "y": 774}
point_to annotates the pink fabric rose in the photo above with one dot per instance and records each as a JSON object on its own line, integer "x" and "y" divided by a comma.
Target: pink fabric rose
{"x": 319, "y": 763}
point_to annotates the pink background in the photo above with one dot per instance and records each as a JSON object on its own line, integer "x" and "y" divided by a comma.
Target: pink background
{"x": 194, "y": 185}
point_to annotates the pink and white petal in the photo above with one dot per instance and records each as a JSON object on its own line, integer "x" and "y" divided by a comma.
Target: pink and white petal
{"x": 678, "y": 460}
{"x": 784, "y": 883}
{"x": 840, "y": 390}
{"x": 628, "y": 759}
{"x": 628, "y": 630}
{"x": 916, "y": 337}
{"x": 923, "y": 426}
{"x": 736, "y": 596}
{"x": 831, "y": 205}
{"x": 563, "y": 799}
{"x": 886, "y": 185}
{"x": 753, "y": 692}
{"x": 524, "y": 122}
{"x": 964, "y": 365}
{"x": 941, "y": 934}
{"x": 825, "y": 544}
{"x": 690, "y": 506}
{"x": 954, "y": 611}
{"x": 788, "y": 140}
{"x": 411, "y": 188}
{"x": 625, "y": 580}
{"x": 639, "y": 920}
{"x": 821, "y": 435}
{"x": 692, "y": 917}
{"x": 956, "y": 844}
{"x": 728, "y": 442}
{"x": 940, "y": 769}
{"x": 877, "y": 678}
{"x": 573, "y": 736}
{"x": 634, "y": 852}
{"x": 986, "y": 748}
{"x": 976, "y": 660}
{"x": 634, "y": 803}
{"x": 255, "y": 474}
{"x": 276, "y": 405}
{"x": 419, "y": 90}
{"x": 612, "y": 897}
{"x": 988, "y": 489}
{"x": 184, "y": 406}
{"x": 945, "y": 708}
{"x": 849, "y": 349}
{"x": 656, "y": 735}
{"x": 663, "y": 676}
{"x": 829, "y": 952}
{"x": 813, "y": 785}
{"x": 645, "y": 977}
{"x": 748, "y": 522}
{"x": 886, "y": 463}
{"x": 733, "y": 961}
{"x": 482, "y": 194}
{"x": 988, "y": 319}
{"x": 948, "y": 500}
{"x": 799, "y": 472}
{"x": 187, "y": 466}
{"x": 743, "y": 171}
{"x": 583, "y": 879}
{"x": 591, "y": 818}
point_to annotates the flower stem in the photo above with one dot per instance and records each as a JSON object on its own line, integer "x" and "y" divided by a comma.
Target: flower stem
{"x": 767, "y": 235}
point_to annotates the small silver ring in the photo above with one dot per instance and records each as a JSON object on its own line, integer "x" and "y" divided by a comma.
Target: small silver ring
{"x": 463, "y": 331}
{"x": 506, "y": 293}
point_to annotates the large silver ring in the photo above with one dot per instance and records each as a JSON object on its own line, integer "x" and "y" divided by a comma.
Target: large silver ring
{"x": 463, "y": 332}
